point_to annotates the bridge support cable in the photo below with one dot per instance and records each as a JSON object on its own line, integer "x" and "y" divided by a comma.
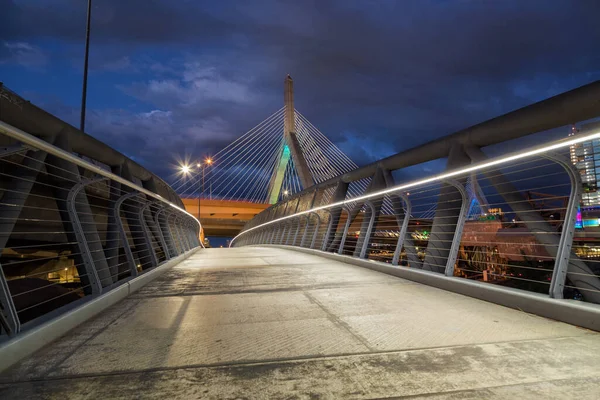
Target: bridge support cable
{"x": 230, "y": 156}
{"x": 245, "y": 184}
{"x": 68, "y": 228}
{"x": 245, "y": 163}
{"x": 239, "y": 143}
{"x": 262, "y": 180}
{"x": 255, "y": 177}
{"x": 227, "y": 172}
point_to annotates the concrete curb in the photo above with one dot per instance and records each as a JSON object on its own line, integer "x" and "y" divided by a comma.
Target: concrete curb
{"x": 26, "y": 343}
{"x": 574, "y": 312}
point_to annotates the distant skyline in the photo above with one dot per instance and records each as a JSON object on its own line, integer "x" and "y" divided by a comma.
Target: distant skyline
{"x": 170, "y": 78}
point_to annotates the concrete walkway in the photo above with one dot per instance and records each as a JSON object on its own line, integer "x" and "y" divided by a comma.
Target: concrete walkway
{"x": 267, "y": 323}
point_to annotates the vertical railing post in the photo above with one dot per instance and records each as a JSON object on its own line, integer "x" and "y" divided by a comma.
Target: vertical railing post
{"x": 563, "y": 252}
{"x": 184, "y": 239}
{"x": 297, "y": 231}
{"x": 305, "y": 233}
{"x": 328, "y": 232}
{"x": 365, "y": 245}
{"x": 174, "y": 234}
{"x": 345, "y": 233}
{"x": 403, "y": 229}
{"x": 117, "y": 215}
{"x": 148, "y": 235}
{"x": 165, "y": 240}
{"x": 339, "y": 195}
{"x": 8, "y": 312}
{"x": 177, "y": 234}
{"x": 283, "y": 229}
{"x": 90, "y": 262}
{"x": 263, "y": 235}
{"x": 460, "y": 224}
{"x": 314, "y": 238}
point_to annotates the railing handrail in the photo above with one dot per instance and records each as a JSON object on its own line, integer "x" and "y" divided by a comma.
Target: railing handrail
{"x": 40, "y": 144}
{"x": 530, "y": 152}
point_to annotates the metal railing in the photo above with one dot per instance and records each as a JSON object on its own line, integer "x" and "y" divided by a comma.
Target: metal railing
{"x": 516, "y": 220}
{"x": 72, "y": 228}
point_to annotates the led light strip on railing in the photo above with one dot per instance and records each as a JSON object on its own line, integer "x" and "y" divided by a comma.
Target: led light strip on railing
{"x": 40, "y": 144}
{"x": 446, "y": 175}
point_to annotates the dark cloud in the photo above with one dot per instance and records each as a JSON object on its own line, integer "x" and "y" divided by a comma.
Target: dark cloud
{"x": 199, "y": 73}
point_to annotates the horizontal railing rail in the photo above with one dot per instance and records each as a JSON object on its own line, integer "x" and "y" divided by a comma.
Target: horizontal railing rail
{"x": 72, "y": 229}
{"x": 516, "y": 220}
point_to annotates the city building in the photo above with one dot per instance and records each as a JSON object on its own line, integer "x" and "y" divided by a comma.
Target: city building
{"x": 586, "y": 158}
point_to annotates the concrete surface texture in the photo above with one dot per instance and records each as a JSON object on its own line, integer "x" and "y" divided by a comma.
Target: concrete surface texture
{"x": 268, "y": 323}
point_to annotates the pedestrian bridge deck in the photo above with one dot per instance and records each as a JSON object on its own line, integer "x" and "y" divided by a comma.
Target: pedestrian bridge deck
{"x": 264, "y": 322}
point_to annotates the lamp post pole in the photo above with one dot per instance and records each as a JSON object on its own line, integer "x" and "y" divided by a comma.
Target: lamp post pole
{"x": 203, "y": 165}
{"x": 201, "y": 189}
{"x": 85, "y": 66}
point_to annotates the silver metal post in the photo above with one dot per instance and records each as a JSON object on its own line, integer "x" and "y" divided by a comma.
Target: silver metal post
{"x": 297, "y": 231}
{"x": 124, "y": 239}
{"x": 90, "y": 267}
{"x": 8, "y": 312}
{"x": 314, "y": 238}
{"x": 563, "y": 252}
{"x": 148, "y": 235}
{"x": 162, "y": 232}
{"x": 365, "y": 246}
{"x": 345, "y": 233}
{"x": 403, "y": 229}
{"x": 305, "y": 233}
{"x": 460, "y": 224}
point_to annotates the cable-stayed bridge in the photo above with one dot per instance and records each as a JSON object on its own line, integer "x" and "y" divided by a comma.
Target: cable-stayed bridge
{"x": 281, "y": 156}
{"x": 482, "y": 281}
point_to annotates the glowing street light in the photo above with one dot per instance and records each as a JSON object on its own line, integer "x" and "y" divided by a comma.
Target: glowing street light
{"x": 186, "y": 169}
{"x": 285, "y": 192}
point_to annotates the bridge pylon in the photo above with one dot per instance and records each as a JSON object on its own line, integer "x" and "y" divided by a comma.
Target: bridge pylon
{"x": 291, "y": 148}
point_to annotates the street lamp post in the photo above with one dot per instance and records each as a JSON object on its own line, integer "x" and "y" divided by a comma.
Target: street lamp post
{"x": 186, "y": 169}
{"x": 85, "y": 66}
{"x": 207, "y": 162}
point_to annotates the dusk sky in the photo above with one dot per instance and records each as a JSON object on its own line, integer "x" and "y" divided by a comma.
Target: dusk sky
{"x": 175, "y": 77}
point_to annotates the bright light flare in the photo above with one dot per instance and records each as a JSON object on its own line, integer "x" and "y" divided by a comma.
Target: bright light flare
{"x": 186, "y": 169}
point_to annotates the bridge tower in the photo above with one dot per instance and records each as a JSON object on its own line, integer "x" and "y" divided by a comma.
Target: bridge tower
{"x": 291, "y": 148}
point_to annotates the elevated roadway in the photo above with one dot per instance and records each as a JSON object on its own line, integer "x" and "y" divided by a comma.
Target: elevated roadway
{"x": 264, "y": 323}
{"x": 223, "y": 218}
